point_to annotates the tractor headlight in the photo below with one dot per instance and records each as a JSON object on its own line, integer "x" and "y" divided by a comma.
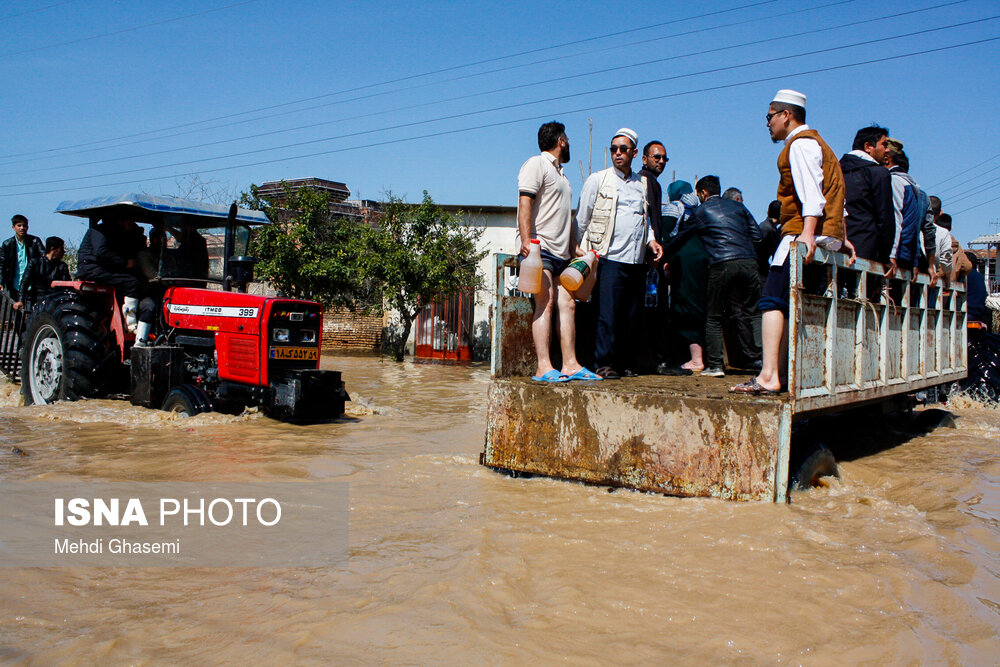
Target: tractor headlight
{"x": 308, "y": 336}
{"x": 280, "y": 335}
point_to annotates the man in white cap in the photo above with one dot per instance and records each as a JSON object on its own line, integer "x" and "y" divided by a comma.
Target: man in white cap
{"x": 811, "y": 192}
{"x": 613, "y": 219}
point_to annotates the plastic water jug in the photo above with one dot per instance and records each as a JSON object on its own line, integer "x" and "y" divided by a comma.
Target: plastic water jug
{"x": 529, "y": 278}
{"x": 579, "y": 268}
{"x": 585, "y": 290}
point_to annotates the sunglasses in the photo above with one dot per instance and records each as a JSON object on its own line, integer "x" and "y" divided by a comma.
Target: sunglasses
{"x": 773, "y": 114}
{"x": 654, "y": 156}
{"x": 620, "y": 148}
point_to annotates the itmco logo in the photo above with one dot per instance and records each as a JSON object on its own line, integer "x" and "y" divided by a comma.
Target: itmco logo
{"x": 292, "y": 524}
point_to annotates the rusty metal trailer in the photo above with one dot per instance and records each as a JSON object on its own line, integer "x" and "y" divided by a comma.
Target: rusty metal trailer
{"x": 688, "y": 436}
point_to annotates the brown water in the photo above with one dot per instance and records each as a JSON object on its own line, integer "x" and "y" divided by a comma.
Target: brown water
{"x": 451, "y": 563}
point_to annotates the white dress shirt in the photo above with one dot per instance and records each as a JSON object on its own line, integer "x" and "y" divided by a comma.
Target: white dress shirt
{"x": 806, "y": 160}
{"x": 628, "y": 242}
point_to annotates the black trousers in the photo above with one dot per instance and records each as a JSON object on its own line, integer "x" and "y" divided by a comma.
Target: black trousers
{"x": 735, "y": 280}
{"x": 620, "y": 288}
{"x": 125, "y": 284}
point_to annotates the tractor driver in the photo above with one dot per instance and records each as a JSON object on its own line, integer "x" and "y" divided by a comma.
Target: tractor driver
{"x": 107, "y": 255}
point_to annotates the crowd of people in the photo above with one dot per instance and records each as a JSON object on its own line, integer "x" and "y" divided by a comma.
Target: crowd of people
{"x": 719, "y": 279}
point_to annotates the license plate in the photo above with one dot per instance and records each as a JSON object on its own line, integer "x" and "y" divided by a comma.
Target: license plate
{"x": 295, "y": 353}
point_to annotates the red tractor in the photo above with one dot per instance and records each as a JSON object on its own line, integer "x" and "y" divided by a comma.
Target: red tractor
{"x": 213, "y": 346}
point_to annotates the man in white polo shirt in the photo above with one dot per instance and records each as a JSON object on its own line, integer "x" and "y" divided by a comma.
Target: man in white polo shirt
{"x": 544, "y": 212}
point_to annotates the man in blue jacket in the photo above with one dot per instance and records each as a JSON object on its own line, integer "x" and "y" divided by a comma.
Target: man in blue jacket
{"x": 914, "y": 214}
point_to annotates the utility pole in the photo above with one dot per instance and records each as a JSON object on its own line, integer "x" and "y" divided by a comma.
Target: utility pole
{"x": 590, "y": 153}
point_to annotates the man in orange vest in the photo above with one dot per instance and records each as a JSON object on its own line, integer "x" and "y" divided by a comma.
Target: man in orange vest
{"x": 811, "y": 192}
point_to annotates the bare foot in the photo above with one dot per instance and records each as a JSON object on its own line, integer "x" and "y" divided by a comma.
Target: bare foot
{"x": 691, "y": 367}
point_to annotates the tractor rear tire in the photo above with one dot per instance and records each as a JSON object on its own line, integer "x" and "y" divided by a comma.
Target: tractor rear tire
{"x": 66, "y": 352}
{"x": 187, "y": 400}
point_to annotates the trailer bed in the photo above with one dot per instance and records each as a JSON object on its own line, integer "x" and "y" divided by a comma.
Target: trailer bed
{"x": 688, "y": 435}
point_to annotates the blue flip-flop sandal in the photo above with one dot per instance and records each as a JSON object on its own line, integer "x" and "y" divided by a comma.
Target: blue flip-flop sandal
{"x": 550, "y": 376}
{"x": 585, "y": 375}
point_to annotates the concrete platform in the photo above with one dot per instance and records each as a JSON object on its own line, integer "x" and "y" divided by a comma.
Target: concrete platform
{"x": 684, "y": 436}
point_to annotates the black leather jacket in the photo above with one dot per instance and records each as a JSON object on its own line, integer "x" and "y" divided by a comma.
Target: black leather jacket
{"x": 727, "y": 230}
{"x": 8, "y": 260}
{"x": 38, "y": 277}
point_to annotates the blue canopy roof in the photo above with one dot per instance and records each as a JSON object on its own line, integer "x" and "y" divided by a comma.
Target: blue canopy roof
{"x": 157, "y": 204}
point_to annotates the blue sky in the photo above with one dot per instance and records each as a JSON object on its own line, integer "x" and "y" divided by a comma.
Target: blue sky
{"x": 105, "y": 97}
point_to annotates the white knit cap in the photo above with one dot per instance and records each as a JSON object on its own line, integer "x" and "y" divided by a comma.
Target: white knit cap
{"x": 628, "y": 134}
{"x": 788, "y": 96}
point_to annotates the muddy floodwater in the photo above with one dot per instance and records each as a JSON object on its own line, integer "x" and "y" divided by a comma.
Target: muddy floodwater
{"x": 451, "y": 563}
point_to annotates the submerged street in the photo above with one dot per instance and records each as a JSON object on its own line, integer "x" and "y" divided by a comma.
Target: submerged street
{"x": 452, "y": 563}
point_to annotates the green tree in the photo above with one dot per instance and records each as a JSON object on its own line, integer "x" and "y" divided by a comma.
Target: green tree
{"x": 417, "y": 253}
{"x": 307, "y": 252}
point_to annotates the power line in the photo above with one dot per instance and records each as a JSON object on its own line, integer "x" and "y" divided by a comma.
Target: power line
{"x": 965, "y": 210}
{"x": 503, "y": 107}
{"x": 467, "y": 96}
{"x": 975, "y": 190}
{"x": 588, "y": 109}
{"x": 976, "y": 166}
{"x": 35, "y": 10}
{"x": 416, "y": 76}
{"x": 477, "y": 74}
{"x": 964, "y": 183}
{"x": 122, "y": 31}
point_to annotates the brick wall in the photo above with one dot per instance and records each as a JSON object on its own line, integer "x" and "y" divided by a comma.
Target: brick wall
{"x": 344, "y": 330}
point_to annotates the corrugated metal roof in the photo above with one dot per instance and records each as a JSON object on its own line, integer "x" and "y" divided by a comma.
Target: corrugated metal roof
{"x": 84, "y": 208}
{"x": 987, "y": 238}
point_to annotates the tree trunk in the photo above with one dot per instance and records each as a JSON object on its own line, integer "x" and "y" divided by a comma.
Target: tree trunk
{"x": 399, "y": 348}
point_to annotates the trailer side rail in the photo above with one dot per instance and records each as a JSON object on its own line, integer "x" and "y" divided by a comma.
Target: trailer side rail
{"x": 844, "y": 352}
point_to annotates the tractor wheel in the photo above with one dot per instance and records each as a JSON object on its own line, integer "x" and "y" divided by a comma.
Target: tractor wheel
{"x": 66, "y": 352}
{"x": 819, "y": 463}
{"x": 187, "y": 400}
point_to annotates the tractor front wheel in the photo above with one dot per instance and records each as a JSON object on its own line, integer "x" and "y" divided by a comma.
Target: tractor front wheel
{"x": 187, "y": 400}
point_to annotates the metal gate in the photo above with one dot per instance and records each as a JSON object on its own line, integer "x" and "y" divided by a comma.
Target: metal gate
{"x": 12, "y": 323}
{"x": 444, "y": 328}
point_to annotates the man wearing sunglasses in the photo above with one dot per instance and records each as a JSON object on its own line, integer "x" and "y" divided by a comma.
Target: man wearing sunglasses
{"x": 613, "y": 219}
{"x": 654, "y": 160}
{"x": 811, "y": 192}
